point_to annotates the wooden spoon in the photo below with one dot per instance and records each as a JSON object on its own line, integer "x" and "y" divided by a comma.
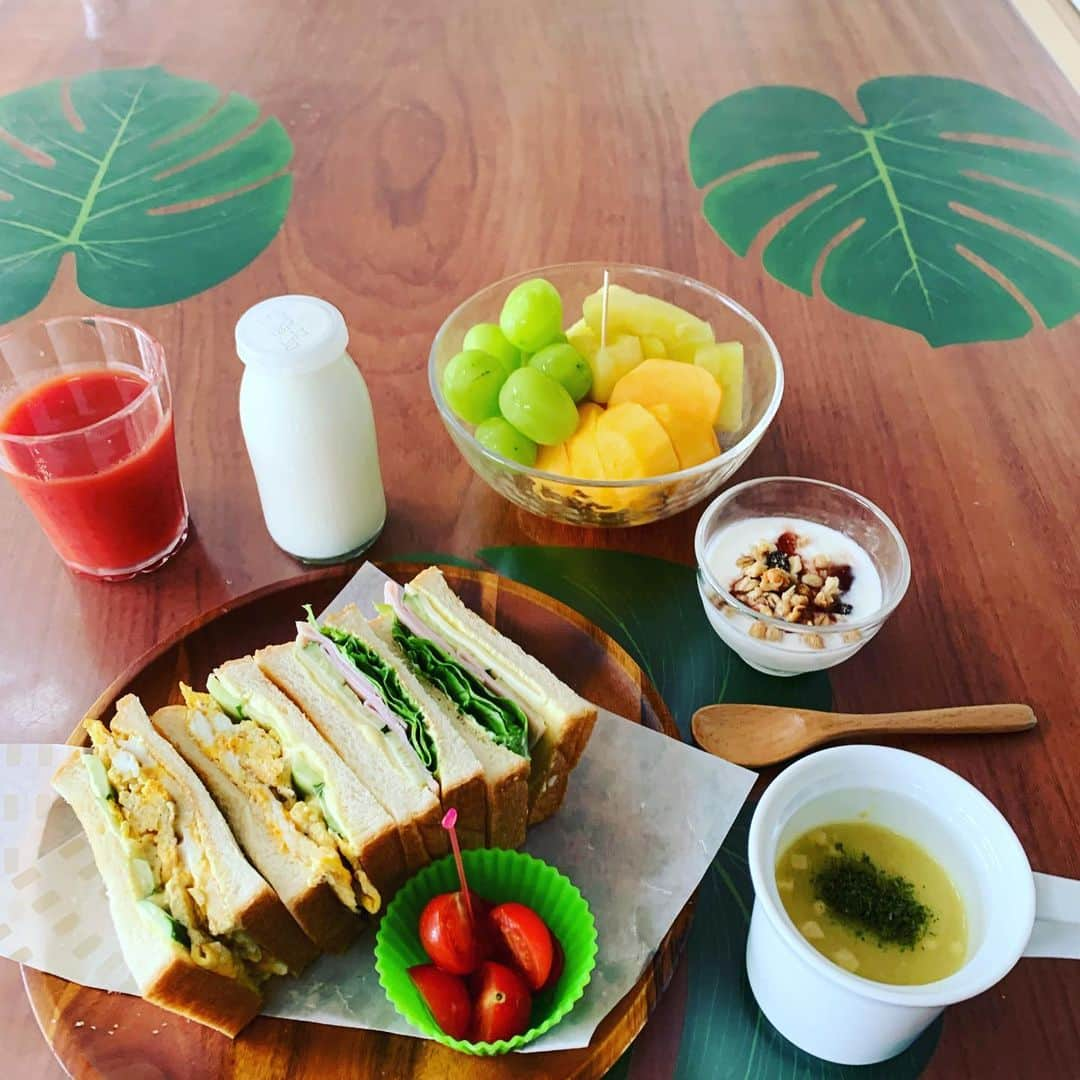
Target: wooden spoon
{"x": 765, "y": 734}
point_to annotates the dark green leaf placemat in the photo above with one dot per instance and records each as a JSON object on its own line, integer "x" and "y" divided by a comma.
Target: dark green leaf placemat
{"x": 160, "y": 186}
{"x": 652, "y": 608}
{"x": 940, "y": 167}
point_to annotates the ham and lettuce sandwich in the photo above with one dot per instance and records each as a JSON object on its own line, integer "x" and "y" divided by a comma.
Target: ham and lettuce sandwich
{"x": 308, "y": 824}
{"x": 200, "y": 930}
{"x": 508, "y": 694}
{"x": 380, "y": 678}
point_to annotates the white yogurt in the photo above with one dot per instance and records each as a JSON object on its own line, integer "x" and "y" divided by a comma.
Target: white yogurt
{"x": 791, "y": 655}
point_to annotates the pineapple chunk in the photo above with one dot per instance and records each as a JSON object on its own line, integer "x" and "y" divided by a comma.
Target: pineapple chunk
{"x": 653, "y": 347}
{"x": 724, "y": 362}
{"x": 582, "y": 336}
{"x": 629, "y": 312}
{"x": 611, "y": 363}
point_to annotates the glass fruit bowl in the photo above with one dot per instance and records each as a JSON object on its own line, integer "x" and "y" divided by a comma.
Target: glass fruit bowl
{"x": 595, "y": 502}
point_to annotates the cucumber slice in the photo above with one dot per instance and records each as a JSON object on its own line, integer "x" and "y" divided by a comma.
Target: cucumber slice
{"x": 229, "y": 702}
{"x": 99, "y": 778}
{"x": 307, "y": 778}
{"x": 332, "y": 822}
{"x": 165, "y": 922}
{"x": 142, "y": 878}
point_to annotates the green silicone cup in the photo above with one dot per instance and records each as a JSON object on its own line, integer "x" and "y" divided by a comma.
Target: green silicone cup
{"x": 498, "y": 876}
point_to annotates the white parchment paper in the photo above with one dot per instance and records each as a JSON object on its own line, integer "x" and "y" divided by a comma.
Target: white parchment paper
{"x": 643, "y": 818}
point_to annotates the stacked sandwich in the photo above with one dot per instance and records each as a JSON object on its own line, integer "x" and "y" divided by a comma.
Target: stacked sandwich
{"x": 268, "y": 817}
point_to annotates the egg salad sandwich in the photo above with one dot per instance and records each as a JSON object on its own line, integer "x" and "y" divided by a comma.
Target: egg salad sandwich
{"x": 382, "y": 681}
{"x": 304, "y": 819}
{"x": 370, "y": 738}
{"x": 493, "y": 680}
{"x": 200, "y": 930}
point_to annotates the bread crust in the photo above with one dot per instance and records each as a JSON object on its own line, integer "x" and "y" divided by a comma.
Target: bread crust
{"x": 266, "y": 920}
{"x": 203, "y": 995}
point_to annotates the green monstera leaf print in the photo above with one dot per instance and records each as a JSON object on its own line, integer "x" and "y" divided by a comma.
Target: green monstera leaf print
{"x": 946, "y": 187}
{"x": 158, "y": 185}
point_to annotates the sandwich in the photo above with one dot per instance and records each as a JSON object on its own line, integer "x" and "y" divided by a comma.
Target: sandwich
{"x": 305, "y": 820}
{"x": 449, "y": 645}
{"x": 382, "y": 681}
{"x": 200, "y": 930}
{"x": 371, "y": 739}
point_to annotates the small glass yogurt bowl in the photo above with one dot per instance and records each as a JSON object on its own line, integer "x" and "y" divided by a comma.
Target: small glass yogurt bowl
{"x": 842, "y": 526}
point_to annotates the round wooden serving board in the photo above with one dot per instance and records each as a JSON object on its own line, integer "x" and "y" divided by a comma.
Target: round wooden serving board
{"x": 116, "y": 1037}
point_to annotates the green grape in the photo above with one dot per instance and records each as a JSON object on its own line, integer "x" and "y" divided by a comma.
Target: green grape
{"x": 532, "y": 315}
{"x": 566, "y": 366}
{"x": 471, "y": 383}
{"x": 487, "y": 337}
{"x": 501, "y": 437}
{"x": 538, "y": 406}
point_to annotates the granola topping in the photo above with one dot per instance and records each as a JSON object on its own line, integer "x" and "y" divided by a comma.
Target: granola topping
{"x": 780, "y": 579}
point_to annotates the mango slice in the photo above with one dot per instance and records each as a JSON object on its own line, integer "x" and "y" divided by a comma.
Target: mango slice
{"x": 584, "y": 454}
{"x": 724, "y": 362}
{"x": 633, "y": 444}
{"x": 629, "y": 312}
{"x": 694, "y": 441}
{"x": 619, "y": 357}
{"x": 686, "y": 387}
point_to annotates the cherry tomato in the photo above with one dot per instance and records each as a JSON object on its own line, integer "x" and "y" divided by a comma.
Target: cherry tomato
{"x": 527, "y": 939}
{"x": 558, "y": 962}
{"x": 450, "y": 938}
{"x": 446, "y": 997}
{"x": 503, "y": 1003}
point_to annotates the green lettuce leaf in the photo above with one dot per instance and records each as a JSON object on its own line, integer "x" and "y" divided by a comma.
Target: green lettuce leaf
{"x": 501, "y": 718}
{"x": 385, "y": 679}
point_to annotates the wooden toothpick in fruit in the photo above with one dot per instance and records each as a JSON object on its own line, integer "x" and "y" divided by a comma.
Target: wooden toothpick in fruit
{"x": 448, "y": 822}
{"x": 603, "y": 312}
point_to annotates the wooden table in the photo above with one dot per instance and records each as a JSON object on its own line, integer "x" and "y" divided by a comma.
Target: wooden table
{"x": 442, "y": 145}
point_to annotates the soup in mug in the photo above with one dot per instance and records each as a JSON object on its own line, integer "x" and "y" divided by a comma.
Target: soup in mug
{"x": 873, "y": 902}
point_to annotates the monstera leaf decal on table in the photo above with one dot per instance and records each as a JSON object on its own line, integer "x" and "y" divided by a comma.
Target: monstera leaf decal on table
{"x": 923, "y": 198}
{"x": 159, "y": 187}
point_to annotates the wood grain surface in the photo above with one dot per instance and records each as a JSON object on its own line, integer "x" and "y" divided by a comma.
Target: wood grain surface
{"x": 177, "y": 1049}
{"x": 440, "y": 146}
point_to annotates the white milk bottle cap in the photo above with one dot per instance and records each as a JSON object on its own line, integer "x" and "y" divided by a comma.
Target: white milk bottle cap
{"x": 291, "y": 335}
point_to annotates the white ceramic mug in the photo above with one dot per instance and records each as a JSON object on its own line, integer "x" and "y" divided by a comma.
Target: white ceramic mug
{"x": 1011, "y": 912}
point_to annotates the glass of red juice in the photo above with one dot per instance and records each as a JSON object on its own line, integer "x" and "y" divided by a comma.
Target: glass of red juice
{"x": 86, "y": 438}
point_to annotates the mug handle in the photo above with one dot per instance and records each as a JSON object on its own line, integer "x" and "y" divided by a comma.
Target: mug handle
{"x": 1057, "y": 918}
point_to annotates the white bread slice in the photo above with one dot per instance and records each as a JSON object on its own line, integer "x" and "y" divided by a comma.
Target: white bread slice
{"x": 506, "y": 774}
{"x": 277, "y": 848}
{"x": 460, "y": 774}
{"x": 368, "y": 828}
{"x": 568, "y": 719}
{"x": 362, "y": 747}
{"x": 236, "y": 895}
{"x": 162, "y": 968}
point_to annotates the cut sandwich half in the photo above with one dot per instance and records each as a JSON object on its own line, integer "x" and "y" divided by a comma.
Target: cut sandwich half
{"x": 494, "y": 728}
{"x": 374, "y": 745}
{"x": 306, "y": 822}
{"x": 428, "y": 616}
{"x": 200, "y": 930}
{"x": 383, "y": 682}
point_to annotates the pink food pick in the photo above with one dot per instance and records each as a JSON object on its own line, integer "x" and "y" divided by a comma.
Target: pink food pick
{"x": 448, "y": 822}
